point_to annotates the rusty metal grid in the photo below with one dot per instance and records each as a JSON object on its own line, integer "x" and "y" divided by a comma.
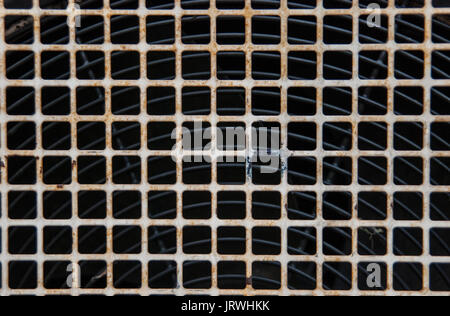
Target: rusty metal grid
{"x": 248, "y": 83}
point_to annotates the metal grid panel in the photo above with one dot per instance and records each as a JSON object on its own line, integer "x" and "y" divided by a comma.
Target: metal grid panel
{"x": 144, "y": 222}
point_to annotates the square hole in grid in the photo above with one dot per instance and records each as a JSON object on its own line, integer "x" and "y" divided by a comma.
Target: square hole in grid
{"x": 231, "y": 136}
{"x": 439, "y": 173}
{"x": 302, "y": 30}
{"x": 54, "y": 100}
{"x": 90, "y": 100}
{"x": 92, "y": 239}
{"x": 231, "y": 240}
{"x": 337, "y": 205}
{"x": 57, "y": 205}
{"x": 266, "y": 65}
{"x": 24, "y": 4}
{"x": 21, "y": 170}
{"x": 408, "y": 276}
{"x": 231, "y": 170}
{"x": 408, "y": 206}
{"x": 21, "y": 135}
{"x": 160, "y": 29}
{"x": 231, "y": 101}
{"x": 440, "y": 4}
{"x": 440, "y": 65}
{"x": 408, "y": 136}
{"x": 438, "y": 206}
{"x": 408, "y": 241}
{"x": 302, "y": 4}
{"x": 372, "y": 241}
{"x": 365, "y": 271}
{"x": 162, "y": 239}
{"x": 91, "y": 30}
{"x": 56, "y": 275}
{"x": 125, "y": 65}
{"x": 439, "y": 241}
{"x": 408, "y": 170}
{"x": 197, "y": 204}
{"x": 231, "y": 65}
{"x": 197, "y": 240}
{"x": 337, "y": 29}
{"x": 231, "y": 205}
{"x": 373, "y": 35}
{"x": 372, "y": 206}
{"x": 20, "y": 100}
{"x": 302, "y": 205}
{"x": 372, "y": 136}
{"x": 409, "y": 100}
{"x": 230, "y": 30}
{"x": 302, "y": 65}
{"x": 372, "y": 170}
{"x": 440, "y": 29}
{"x": 195, "y": 29}
{"x": 160, "y": 65}
{"x": 337, "y": 4}
{"x": 266, "y": 170}
{"x": 440, "y": 133}
{"x": 262, "y": 4}
{"x": 127, "y": 204}
{"x": 161, "y": 100}
{"x": 55, "y": 65}
{"x": 337, "y": 65}
{"x": 91, "y": 135}
{"x": 337, "y": 170}
{"x": 266, "y": 275}
{"x": 92, "y": 204}
{"x": 161, "y": 170}
{"x": 337, "y": 276}
{"x": 266, "y": 101}
{"x": 91, "y": 169}
{"x": 337, "y": 136}
{"x": 16, "y": 272}
{"x": 160, "y": 4}
{"x": 302, "y": 170}
{"x": 160, "y": 135}
{"x": 372, "y": 100}
{"x": 126, "y": 169}
{"x": 90, "y": 65}
{"x": 22, "y": 205}
{"x": 196, "y": 100}
{"x": 127, "y": 239}
{"x": 93, "y": 274}
{"x": 195, "y": 4}
{"x": 57, "y": 170}
{"x": 230, "y": 4}
{"x": 409, "y": 28}
{"x": 409, "y": 4}
{"x": 162, "y": 204}
{"x": 437, "y": 283}
{"x": 196, "y": 136}
{"x": 196, "y": 170}
{"x": 58, "y": 240}
{"x": 124, "y": 29}
{"x": 19, "y": 64}
{"x": 302, "y": 241}
{"x": 266, "y": 205}
{"x": 409, "y": 64}
{"x": 266, "y": 240}
{"x": 22, "y": 240}
{"x": 19, "y": 29}
{"x": 162, "y": 274}
{"x": 56, "y": 135}
{"x": 301, "y": 101}
{"x": 231, "y": 275}
{"x": 197, "y": 274}
{"x": 196, "y": 65}
{"x": 126, "y": 135}
{"x": 120, "y": 5}
{"x": 373, "y": 64}
{"x": 337, "y": 101}
{"x": 302, "y": 275}
{"x": 266, "y": 29}
{"x": 54, "y": 29}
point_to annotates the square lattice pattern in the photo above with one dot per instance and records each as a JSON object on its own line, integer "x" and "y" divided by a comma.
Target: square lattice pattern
{"x": 90, "y": 193}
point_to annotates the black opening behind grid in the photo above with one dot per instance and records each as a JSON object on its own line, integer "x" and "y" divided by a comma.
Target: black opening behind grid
{"x": 338, "y": 134}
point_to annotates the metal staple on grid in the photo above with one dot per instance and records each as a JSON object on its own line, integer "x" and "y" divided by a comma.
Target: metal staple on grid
{"x": 284, "y": 258}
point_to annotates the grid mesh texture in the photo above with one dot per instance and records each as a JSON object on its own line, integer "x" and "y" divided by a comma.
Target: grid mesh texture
{"x": 90, "y": 194}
